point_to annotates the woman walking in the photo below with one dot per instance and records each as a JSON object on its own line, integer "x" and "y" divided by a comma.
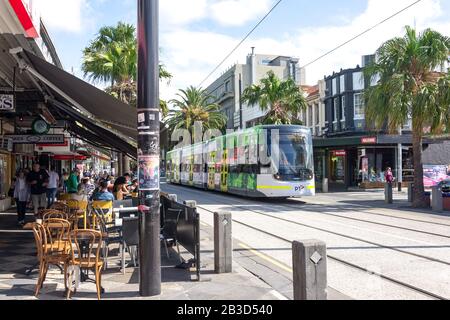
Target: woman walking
{"x": 22, "y": 195}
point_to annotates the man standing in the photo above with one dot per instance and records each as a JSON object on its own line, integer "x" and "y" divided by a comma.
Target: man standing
{"x": 52, "y": 188}
{"x": 72, "y": 182}
{"x": 38, "y": 181}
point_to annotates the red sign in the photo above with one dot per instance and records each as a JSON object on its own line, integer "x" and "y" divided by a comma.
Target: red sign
{"x": 369, "y": 140}
{"x": 339, "y": 153}
{"x": 69, "y": 157}
{"x": 24, "y": 14}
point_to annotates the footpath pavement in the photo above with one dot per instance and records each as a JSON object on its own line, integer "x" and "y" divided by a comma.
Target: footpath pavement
{"x": 17, "y": 254}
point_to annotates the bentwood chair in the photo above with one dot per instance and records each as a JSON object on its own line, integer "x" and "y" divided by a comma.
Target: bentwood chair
{"x": 61, "y": 206}
{"x": 87, "y": 245}
{"x": 46, "y": 256}
{"x": 53, "y": 214}
{"x": 111, "y": 234}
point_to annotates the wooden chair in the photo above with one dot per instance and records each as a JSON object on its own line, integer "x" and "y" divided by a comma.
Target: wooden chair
{"x": 64, "y": 197}
{"x": 78, "y": 210}
{"x": 61, "y": 206}
{"x": 87, "y": 245}
{"x": 54, "y": 214}
{"x": 57, "y": 232}
{"x": 46, "y": 256}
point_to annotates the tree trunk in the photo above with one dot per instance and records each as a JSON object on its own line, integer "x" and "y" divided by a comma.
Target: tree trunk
{"x": 419, "y": 189}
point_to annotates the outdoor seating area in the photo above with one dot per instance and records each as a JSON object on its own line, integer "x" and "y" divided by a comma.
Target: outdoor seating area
{"x": 98, "y": 237}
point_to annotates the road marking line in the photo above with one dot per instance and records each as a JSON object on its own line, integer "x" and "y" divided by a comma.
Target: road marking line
{"x": 278, "y": 295}
{"x": 267, "y": 258}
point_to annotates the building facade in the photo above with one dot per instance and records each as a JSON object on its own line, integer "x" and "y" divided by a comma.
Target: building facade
{"x": 350, "y": 153}
{"x": 228, "y": 88}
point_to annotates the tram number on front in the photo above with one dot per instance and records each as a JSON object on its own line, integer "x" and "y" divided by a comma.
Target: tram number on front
{"x": 299, "y": 188}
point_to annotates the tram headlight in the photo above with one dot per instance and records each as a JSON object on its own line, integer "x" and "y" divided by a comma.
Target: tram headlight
{"x": 277, "y": 177}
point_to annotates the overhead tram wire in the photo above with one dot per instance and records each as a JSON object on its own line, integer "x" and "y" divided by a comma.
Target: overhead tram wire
{"x": 320, "y": 57}
{"x": 362, "y": 33}
{"x": 242, "y": 41}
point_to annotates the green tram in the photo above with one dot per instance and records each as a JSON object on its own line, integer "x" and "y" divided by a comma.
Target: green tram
{"x": 245, "y": 163}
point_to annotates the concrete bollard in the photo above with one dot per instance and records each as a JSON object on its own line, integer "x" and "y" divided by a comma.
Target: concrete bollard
{"x": 310, "y": 270}
{"x": 410, "y": 192}
{"x": 437, "y": 201}
{"x": 223, "y": 245}
{"x": 388, "y": 195}
{"x": 173, "y": 197}
{"x": 325, "y": 185}
{"x": 190, "y": 203}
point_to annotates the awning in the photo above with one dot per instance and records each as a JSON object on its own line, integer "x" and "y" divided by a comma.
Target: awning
{"x": 116, "y": 114}
{"x": 107, "y": 122}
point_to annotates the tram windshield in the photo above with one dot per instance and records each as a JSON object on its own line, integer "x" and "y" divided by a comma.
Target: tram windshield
{"x": 295, "y": 158}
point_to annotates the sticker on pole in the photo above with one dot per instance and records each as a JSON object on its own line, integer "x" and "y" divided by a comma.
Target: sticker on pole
{"x": 148, "y": 173}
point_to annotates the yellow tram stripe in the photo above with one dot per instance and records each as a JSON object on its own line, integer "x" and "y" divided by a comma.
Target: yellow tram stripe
{"x": 275, "y": 187}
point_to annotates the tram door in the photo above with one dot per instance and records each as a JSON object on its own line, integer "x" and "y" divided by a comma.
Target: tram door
{"x": 191, "y": 171}
{"x": 224, "y": 172}
{"x": 212, "y": 172}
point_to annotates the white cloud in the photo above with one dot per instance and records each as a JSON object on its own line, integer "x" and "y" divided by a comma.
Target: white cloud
{"x": 64, "y": 15}
{"x": 190, "y": 56}
{"x": 238, "y": 12}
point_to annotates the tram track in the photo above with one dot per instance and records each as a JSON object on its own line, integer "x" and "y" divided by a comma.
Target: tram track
{"x": 344, "y": 262}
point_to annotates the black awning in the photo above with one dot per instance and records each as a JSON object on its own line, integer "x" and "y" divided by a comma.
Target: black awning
{"x": 116, "y": 114}
{"x": 93, "y": 132}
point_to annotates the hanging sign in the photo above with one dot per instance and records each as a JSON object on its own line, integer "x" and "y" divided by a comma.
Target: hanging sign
{"x": 148, "y": 173}
{"x": 339, "y": 153}
{"x": 7, "y": 103}
{"x": 37, "y": 139}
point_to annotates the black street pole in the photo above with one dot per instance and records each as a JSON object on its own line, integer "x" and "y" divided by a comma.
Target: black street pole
{"x": 148, "y": 148}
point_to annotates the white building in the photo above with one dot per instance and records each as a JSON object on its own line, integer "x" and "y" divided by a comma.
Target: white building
{"x": 228, "y": 88}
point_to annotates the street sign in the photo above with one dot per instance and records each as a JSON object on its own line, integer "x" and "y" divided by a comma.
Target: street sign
{"x": 7, "y": 103}
{"x": 37, "y": 139}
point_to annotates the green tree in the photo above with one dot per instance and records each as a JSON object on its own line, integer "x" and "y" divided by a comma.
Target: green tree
{"x": 282, "y": 100}
{"x": 112, "y": 58}
{"x": 409, "y": 86}
{"x": 194, "y": 105}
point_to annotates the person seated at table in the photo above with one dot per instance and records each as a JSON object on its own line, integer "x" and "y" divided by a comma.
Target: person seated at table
{"x": 134, "y": 187}
{"x": 81, "y": 194}
{"x": 103, "y": 194}
{"x": 120, "y": 190}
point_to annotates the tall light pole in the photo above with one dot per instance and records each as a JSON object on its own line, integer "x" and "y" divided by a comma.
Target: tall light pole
{"x": 148, "y": 148}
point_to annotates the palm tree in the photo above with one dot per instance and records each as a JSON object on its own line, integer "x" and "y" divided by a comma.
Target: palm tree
{"x": 411, "y": 87}
{"x": 112, "y": 58}
{"x": 282, "y": 100}
{"x": 194, "y": 105}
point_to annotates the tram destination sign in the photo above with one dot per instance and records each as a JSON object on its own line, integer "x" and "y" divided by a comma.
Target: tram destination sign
{"x": 49, "y": 139}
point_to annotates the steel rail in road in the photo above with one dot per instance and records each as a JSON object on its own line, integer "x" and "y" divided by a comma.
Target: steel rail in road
{"x": 347, "y": 263}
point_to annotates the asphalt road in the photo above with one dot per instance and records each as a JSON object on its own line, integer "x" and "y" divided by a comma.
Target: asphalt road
{"x": 376, "y": 251}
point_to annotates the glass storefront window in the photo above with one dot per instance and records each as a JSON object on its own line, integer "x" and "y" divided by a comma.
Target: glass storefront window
{"x": 338, "y": 169}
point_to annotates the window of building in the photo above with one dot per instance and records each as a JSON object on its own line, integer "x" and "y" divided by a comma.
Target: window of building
{"x": 343, "y": 107}
{"x": 227, "y": 86}
{"x": 317, "y": 114}
{"x": 342, "y": 84}
{"x": 336, "y": 109}
{"x": 334, "y": 86}
{"x": 310, "y": 116}
{"x": 358, "y": 81}
{"x": 359, "y": 106}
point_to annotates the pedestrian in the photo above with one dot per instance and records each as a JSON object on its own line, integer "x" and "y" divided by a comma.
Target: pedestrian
{"x": 38, "y": 181}
{"x": 21, "y": 195}
{"x": 389, "y": 175}
{"x": 52, "y": 188}
{"x": 72, "y": 182}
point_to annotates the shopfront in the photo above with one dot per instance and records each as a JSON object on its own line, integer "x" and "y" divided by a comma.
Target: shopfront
{"x": 361, "y": 162}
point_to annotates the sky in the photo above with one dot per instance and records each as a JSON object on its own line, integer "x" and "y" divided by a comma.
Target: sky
{"x": 195, "y": 35}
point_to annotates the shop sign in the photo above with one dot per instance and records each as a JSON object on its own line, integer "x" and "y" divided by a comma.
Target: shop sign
{"x": 37, "y": 139}
{"x": 369, "y": 140}
{"x": 7, "y": 103}
{"x": 339, "y": 153}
